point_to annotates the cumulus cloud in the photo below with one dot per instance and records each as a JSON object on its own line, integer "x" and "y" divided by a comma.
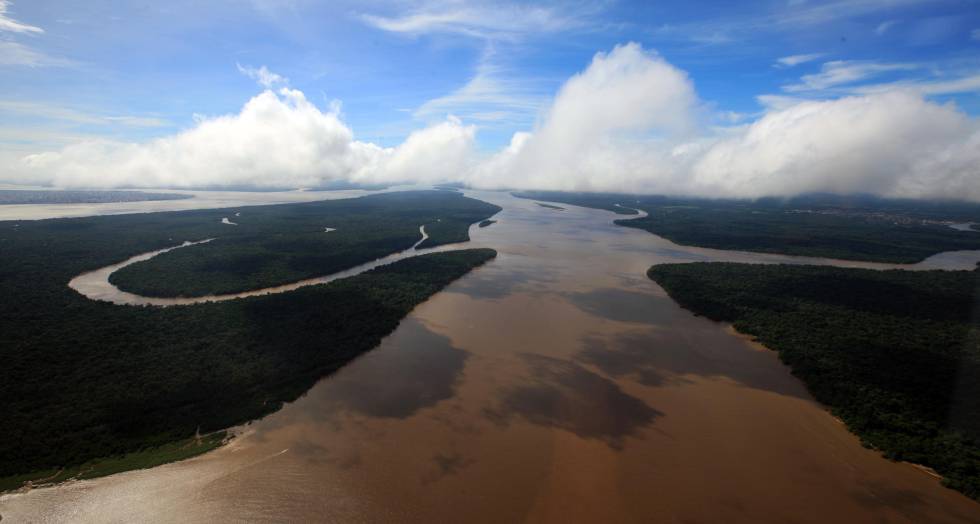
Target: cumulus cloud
{"x": 601, "y": 128}
{"x": 630, "y": 121}
{"x": 279, "y": 139}
{"x": 894, "y": 144}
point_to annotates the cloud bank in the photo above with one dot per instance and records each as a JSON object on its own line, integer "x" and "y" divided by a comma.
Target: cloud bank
{"x": 630, "y": 121}
{"x": 279, "y": 139}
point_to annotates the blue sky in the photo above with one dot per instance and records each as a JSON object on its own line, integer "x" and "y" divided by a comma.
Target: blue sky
{"x": 136, "y": 70}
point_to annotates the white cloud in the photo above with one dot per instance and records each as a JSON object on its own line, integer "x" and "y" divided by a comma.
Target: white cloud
{"x": 894, "y": 144}
{"x": 777, "y": 102}
{"x": 499, "y": 20}
{"x": 779, "y": 17}
{"x": 884, "y": 27}
{"x": 629, "y": 122}
{"x": 136, "y": 121}
{"x": 489, "y": 97}
{"x": 11, "y": 25}
{"x": 15, "y": 54}
{"x": 434, "y": 154}
{"x": 601, "y": 128}
{"x": 278, "y": 139}
{"x": 65, "y": 114}
{"x": 825, "y": 12}
{"x": 262, "y": 76}
{"x": 964, "y": 84}
{"x": 794, "y": 60}
{"x": 842, "y": 72}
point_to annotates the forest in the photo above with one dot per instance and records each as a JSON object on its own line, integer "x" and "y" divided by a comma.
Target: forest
{"x": 83, "y": 380}
{"x": 273, "y": 245}
{"x": 830, "y": 226}
{"x": 895, "y": 354}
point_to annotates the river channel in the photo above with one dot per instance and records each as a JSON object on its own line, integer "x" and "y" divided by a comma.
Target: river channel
{"x": 554, "y": 384}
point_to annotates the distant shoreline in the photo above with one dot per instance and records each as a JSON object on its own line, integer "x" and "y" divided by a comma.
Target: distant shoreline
{"x": 10, "y": 197}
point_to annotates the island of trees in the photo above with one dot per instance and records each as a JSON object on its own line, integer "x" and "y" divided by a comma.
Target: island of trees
{"x": 895, "y": 354}
{"x": 273, "y": 245}
{"x": 830, "y": 226}
{"x": 89, "y": 387}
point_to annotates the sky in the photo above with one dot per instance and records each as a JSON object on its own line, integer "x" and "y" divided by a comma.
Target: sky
{"x": 711, "y": 98}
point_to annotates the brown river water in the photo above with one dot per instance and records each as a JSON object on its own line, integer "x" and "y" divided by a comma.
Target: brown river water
{"x": 555, "y": 384}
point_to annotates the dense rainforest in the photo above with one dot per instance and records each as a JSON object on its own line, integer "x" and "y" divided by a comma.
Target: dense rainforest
{"x": 273, "y": 245}
{"x": 83, "y": 379}
{"x": 852, "y": 228}
{"x": 895, "y": 354}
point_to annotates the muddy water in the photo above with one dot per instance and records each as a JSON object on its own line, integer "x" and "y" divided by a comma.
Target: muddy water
{"x": 200, "y": 200}
{"x": 555, "y": 384}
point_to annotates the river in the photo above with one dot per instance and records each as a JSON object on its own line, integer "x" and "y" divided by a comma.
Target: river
{"x": 554, "y": 384}
{"x": 201, "y": 200}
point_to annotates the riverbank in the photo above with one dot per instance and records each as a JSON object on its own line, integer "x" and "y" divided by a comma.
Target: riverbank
{"x": 101, "y": 467}
{"x": 849, "y": 228}
{"x": 147, "y": 376}
{"x": 890, "y": 352}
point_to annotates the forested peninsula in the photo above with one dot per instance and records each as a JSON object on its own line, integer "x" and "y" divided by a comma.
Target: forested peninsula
{"x": 895, "y": 354}
{"x": 87, "y": 382}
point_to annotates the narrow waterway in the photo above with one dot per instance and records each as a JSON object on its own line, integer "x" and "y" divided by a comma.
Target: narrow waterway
{"x": 96, "y": 286}
{"x": 555, "y": 384}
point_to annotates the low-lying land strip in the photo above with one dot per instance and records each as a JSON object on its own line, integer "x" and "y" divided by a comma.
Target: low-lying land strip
{"x": 895, "y": 354}
{"x": 29, "y": 196}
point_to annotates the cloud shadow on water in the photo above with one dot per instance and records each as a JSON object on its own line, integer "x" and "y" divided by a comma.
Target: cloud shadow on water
{"x": 412, "y": 370}
{"x": 399, "y": 379}
{"x": 565, "y": 395}
{"x": 621, "y": 305}
{"x": 493, "y": 283}
{"x": 655, "y": 357}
